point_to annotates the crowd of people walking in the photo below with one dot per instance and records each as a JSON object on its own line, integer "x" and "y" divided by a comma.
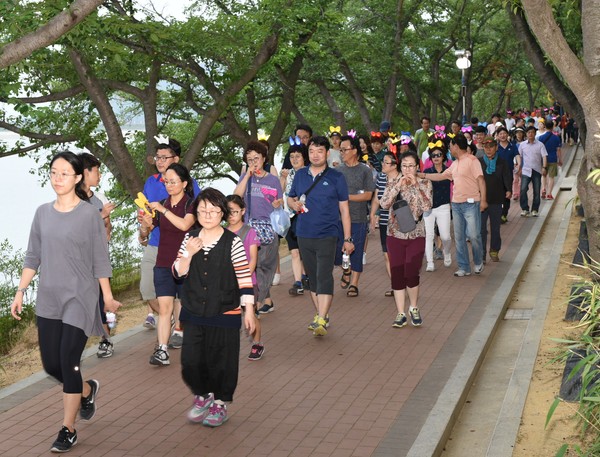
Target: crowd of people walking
{"x": 210, "y": 260}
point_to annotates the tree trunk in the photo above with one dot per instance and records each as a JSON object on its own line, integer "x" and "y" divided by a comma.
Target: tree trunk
{"x": 125, "y": 171}
{"x": 336, "y": 111}
{"x": 583, "y": 80}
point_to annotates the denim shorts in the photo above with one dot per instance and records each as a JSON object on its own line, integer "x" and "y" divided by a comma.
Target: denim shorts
{"x": 165, "y": 283}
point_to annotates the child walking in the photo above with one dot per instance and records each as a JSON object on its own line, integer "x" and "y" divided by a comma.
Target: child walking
{"x": 218, "y": 284}
{"x": 237, "y": 210}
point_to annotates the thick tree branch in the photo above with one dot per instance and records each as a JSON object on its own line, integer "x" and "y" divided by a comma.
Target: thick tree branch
{"x": 125, "y": 170}
{"x": 47, "y": 34}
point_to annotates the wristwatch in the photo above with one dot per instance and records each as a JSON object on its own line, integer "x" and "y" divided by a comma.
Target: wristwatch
{"x": 349, "y": 240}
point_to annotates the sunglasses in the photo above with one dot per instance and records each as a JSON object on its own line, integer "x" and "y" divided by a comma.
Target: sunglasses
{"x": 433, "y": 156}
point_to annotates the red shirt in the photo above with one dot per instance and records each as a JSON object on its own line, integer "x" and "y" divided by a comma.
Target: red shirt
{"x": 170, "y": 236}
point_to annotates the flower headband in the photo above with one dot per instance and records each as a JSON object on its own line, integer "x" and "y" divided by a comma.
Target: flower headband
{"x": 295, "y": 141}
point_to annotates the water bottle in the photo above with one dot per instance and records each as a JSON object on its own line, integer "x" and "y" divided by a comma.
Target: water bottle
{"x": 345, "y": 262}
{"x": 111, "y": 320}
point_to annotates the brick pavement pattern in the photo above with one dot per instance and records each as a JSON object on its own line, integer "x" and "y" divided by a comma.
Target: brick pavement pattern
{"x": 362, "y": 390}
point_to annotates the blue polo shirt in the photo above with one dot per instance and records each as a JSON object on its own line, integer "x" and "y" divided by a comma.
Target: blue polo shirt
{"x": 323, "y": 203}
{"x": 155, "y": 191}
{"x": 552, "y": 143}
{"x": 509, "y": 153}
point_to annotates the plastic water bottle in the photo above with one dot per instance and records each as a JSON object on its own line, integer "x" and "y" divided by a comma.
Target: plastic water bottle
{"x": 111, "y": 320}
{"x": 345, "y": 262}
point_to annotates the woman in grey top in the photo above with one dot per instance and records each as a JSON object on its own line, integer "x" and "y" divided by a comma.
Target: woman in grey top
{"x": 67, "y": 243}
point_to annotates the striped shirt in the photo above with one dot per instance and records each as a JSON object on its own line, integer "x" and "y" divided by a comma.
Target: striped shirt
{"x": 240, "y": 266}
{"x": 384, "y": 214}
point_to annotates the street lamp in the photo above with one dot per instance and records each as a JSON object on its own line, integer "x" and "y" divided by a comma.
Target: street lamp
{"x": 463, "y": 62}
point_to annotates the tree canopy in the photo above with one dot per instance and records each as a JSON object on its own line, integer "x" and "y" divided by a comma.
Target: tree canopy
{"x": 230, "y": 68}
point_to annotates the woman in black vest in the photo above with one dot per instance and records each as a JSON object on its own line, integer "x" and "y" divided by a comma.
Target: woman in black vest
{"x": 215, "y": 266}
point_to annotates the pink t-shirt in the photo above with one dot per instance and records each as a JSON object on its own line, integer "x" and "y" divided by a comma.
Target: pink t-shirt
{"x": 464, "y": 172}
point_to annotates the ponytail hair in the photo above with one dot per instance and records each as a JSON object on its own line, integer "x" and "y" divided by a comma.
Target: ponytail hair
{"x": 77, "y": 165}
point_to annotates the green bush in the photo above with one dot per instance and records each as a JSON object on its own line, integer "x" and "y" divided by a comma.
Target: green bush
{"x": 11, "y": 263}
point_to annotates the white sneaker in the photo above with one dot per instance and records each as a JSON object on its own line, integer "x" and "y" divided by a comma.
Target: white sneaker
{"x": 447, "y": 260}
{"x": 276, "y": 279}
{"x": 430, "y": 267}
{"x": 534, "y": 213}
{"x": 478, "y": 268}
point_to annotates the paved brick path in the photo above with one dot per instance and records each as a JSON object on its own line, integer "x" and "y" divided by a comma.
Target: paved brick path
{"x": 364, "y": 389}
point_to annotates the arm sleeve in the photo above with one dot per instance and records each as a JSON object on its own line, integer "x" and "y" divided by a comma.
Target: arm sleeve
{"x": 33, "y": 256}
{"x": 242, "y": 271}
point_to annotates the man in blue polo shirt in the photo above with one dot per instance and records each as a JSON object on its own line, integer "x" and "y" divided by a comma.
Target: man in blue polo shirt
{"x": 554, "y": 159}
{"x": 319, "y": 195}
{"x": 168, "y": 152}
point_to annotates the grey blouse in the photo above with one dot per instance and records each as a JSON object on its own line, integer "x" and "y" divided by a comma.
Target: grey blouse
{"x": 71, "y": 253}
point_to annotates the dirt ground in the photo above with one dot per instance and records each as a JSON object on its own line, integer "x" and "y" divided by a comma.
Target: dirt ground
{"x": 532, "y": 439}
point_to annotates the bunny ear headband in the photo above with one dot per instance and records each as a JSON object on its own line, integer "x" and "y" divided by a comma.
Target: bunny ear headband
{"x": 162, "y": 139}
{"x": 295, "y": 141}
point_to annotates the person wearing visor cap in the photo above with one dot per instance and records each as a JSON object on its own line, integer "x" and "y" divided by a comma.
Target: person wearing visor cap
{"x": 497, "y": 174}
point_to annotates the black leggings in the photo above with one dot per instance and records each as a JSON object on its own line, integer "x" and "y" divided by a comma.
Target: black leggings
{"x": 61, "y": 346}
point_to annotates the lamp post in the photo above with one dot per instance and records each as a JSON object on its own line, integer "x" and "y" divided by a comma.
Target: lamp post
{"x": 463, "y": 62}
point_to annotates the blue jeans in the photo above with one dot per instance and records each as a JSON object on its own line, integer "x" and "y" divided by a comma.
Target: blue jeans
{"x": 467, "y": 224}
{"x": 536, "y": 179}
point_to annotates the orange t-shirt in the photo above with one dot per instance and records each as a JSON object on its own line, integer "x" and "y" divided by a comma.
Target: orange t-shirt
{"x": 464, "y": 172}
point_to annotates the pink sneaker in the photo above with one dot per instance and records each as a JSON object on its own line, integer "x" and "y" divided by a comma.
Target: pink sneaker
{"x": 201, "y": 408}
{"x": 217, "y": 415}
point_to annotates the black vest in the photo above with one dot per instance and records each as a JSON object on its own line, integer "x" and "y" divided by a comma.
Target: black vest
{"x": 211, "y": 287}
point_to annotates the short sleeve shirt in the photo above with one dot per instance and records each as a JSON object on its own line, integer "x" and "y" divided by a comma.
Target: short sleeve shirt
{"x": 321, "y": 219}
{"x": 171, "y": 237}
{"x": 464, "y": 172}
{"x": 155, "y": 191}
{"x": 263, "y": 192}
{"x": 358, "y": 178}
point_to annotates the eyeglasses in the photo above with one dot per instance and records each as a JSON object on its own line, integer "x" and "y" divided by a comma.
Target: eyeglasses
{"x": 404, "y": 165}
{"x": 345, "y": 150}
{"x": 433, "y": 156}
{"x": 57, "y": 175}
{"x": 172, "y": 183}
{"x": 255, "y": 160}
{"x": 162, "y": 158}
{"x": 211, "y": 213}
{"x": 234, "y": 212}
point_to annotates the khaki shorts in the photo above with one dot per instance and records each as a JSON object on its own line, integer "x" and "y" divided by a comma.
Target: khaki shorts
{"x": 147, "y": 273}
{"x": 552, "y": 169}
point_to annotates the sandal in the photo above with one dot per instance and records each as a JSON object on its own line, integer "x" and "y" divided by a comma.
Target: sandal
{"x": 352, "y": 291}
{"x": 345, "y": 280}
{"x": 389, "y": 293}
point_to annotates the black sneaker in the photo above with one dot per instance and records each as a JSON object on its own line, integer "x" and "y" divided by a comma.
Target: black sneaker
{"x": 264, "y": 309}
{"x": 305, "y": 283}
{"x": 88, "y": 404}
{"x": 64, "y": 441}
{"x": 160, "y": 357}
{"x": 257, "y": 352}
{"x": 105, "y": 349}
{"x": 296, "y": 289}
